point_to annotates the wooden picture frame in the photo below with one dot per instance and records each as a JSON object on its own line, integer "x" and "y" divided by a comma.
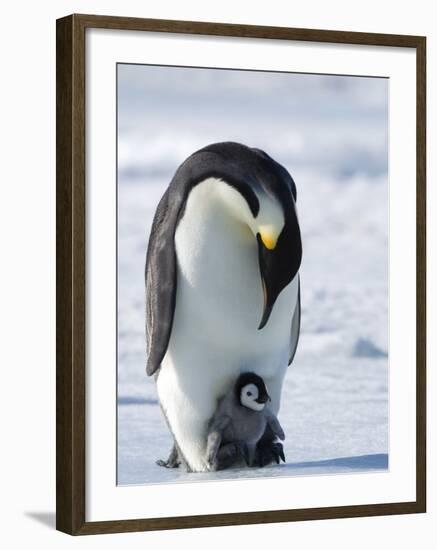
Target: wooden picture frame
{"x": 71, "y": 258}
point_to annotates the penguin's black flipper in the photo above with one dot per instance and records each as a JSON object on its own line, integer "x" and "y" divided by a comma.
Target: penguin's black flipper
{"x": 295, "y": 326}
{"x": 280, "y": 450}
{"x": 161, "y": 281}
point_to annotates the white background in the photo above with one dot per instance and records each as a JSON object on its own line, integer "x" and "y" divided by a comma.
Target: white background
{"x": 28, "y": 272}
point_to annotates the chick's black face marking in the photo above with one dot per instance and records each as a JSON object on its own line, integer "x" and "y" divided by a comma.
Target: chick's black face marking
{"x": 263, "y": 398}
{"x": 248, "y": 378}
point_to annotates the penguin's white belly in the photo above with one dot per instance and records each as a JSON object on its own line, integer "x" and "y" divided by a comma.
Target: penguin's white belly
{"x": 215, "y": 332}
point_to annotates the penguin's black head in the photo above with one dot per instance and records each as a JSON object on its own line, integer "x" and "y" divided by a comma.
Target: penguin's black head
{"x": 251, "y": 391}
{"x": 279, "y": 248}
{"x": 266, "y": 205}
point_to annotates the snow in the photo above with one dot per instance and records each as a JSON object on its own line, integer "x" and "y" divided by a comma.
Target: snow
{"x": 331, "y": 134}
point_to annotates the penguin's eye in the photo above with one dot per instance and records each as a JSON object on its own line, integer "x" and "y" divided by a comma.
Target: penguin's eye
{"x": 249, "y": 393}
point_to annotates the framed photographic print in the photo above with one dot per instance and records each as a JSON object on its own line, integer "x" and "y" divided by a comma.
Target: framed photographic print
{"x": 240, "y": 274}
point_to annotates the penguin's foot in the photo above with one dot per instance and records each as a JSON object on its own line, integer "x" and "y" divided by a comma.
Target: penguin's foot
{"x": 228, "y": 455}
{"x": 268, "y": 452}
{"x": 173, "y": 461}
{"x": 212, "y": 465}
{"x": 167, "y": 463}
{"x": 249, "y": 454}
{"x": 212, "y": 461}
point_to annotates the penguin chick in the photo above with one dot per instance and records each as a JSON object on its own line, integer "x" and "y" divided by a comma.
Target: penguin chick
{"x": 239, "y": 422}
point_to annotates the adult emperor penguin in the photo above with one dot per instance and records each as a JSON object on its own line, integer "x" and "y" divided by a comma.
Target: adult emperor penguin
{"x": 222, "y": 289}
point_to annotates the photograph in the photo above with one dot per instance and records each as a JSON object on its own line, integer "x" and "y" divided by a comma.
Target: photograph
{"x": 252, "y": 274}
{"x": 217, "y": 275}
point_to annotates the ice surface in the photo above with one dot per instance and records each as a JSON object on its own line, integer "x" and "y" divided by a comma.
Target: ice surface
{"x": 331, "y": 134}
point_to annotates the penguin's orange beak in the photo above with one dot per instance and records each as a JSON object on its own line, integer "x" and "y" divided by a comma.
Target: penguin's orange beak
{"x": 268, "y": 237}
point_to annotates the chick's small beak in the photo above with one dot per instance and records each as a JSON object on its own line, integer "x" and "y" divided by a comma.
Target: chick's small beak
{"x": 263, "y": 398}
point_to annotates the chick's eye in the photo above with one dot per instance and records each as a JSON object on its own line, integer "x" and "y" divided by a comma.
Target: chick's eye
{"x": 249, "y": 393}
